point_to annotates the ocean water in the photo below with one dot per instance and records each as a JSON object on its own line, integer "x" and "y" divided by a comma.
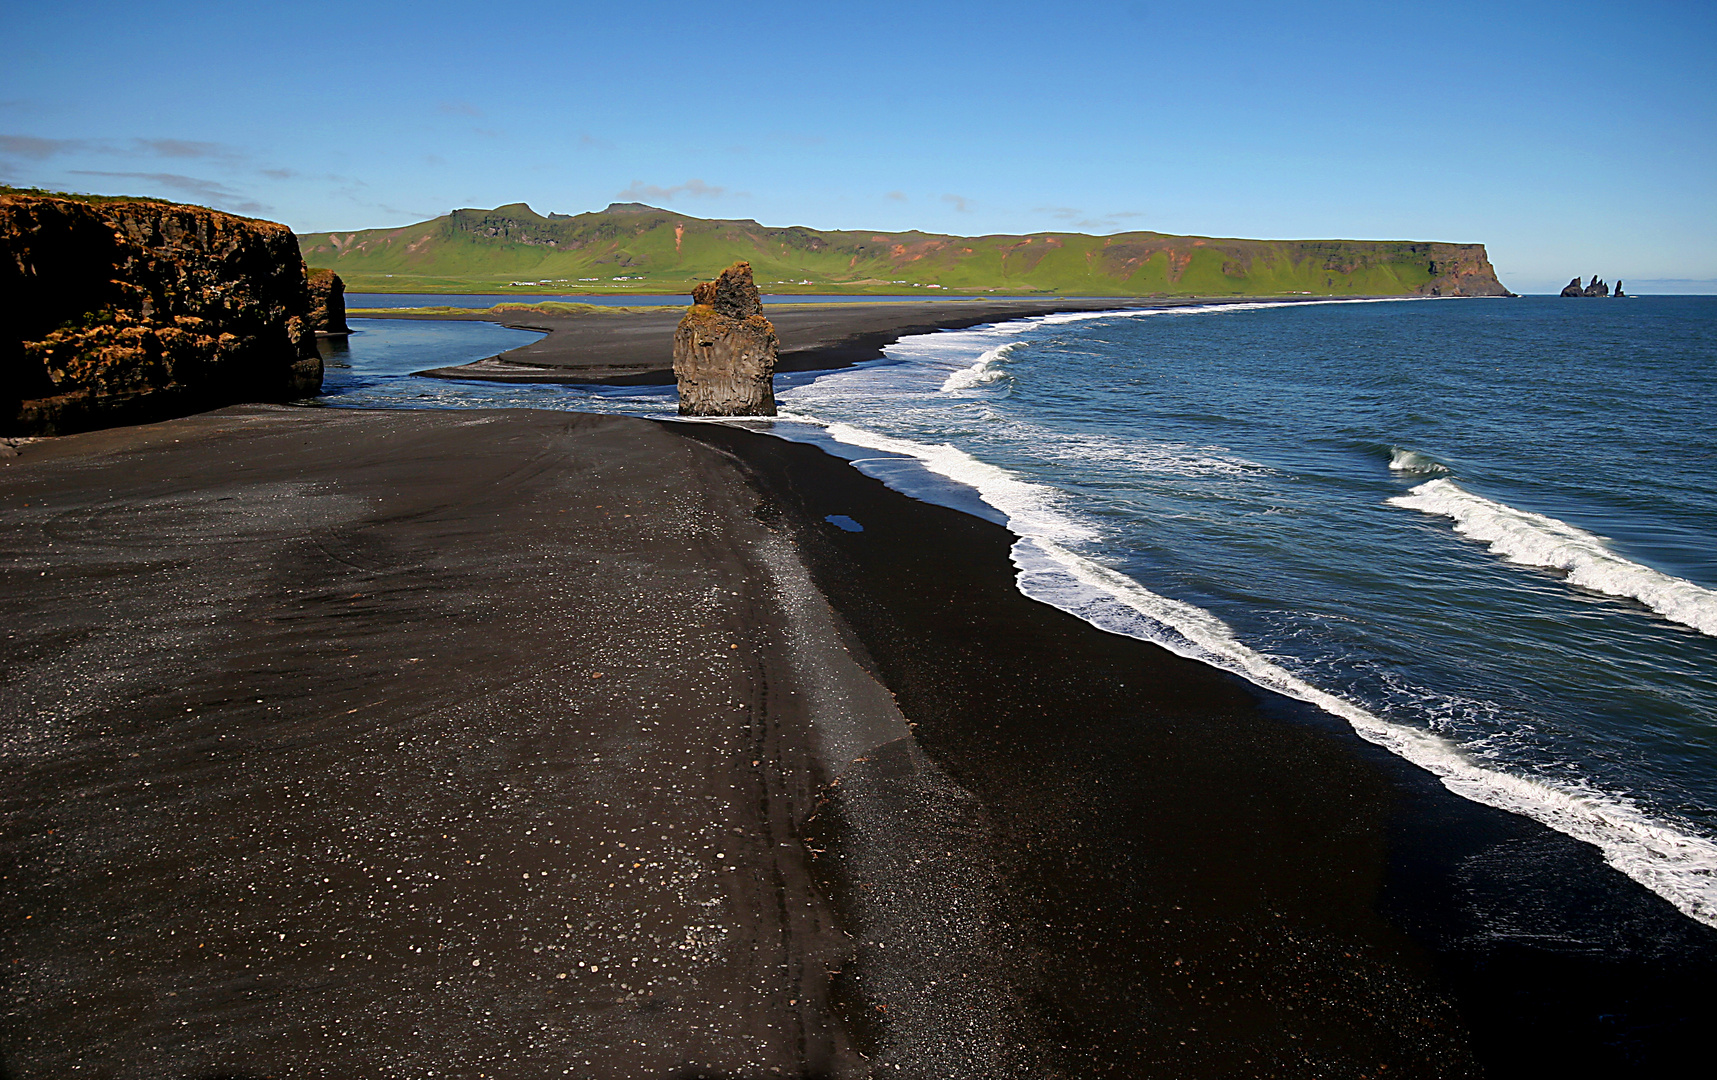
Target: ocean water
{"x": 1482, "y": 532}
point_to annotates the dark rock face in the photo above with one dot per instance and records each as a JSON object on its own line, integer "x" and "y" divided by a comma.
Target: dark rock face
{"x": 733, "y": 293}
{"x": 724, "y": 349}
{"x": 1618, "y": 291}
{"x": 1595, "y": 287}
{"x": 327, "y": 303}
{"x": 1461, "y": 270}
{"x": 126, "y": 311}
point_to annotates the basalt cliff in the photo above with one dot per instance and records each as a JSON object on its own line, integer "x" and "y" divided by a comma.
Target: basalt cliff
{"x": 725, "y": 349}
{"x": 119, "y": 311}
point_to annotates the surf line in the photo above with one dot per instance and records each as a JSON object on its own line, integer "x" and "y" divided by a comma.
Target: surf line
{"x": 1679, "y": 867}
{"x": 1530, "y": 539}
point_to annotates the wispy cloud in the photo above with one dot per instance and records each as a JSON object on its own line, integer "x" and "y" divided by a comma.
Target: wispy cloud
{"x": 40, "y": 149}
{"x": 1076, "y": 218}
{"x": 186, "y": 148}
{"x": 585, "y": 138}
{"x": 37, "y": 149}
{"x": 207, "y": 191}
{"x": 1107, "y": 222}
{"x": 897, "y": 196}
{"x": 959, "y": 202}
{"x": 694, "y": 187}
{"x": 459, "y": 108}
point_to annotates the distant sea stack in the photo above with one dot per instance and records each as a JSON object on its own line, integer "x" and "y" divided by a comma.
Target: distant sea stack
{"x": 128, "y": 310}
{"x": 724, "y": 349}
{"x": 1595, "y": 287}
{"x": 327, "y": 303}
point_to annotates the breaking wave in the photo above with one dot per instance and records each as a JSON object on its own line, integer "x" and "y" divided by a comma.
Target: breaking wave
{"x": 1404, "y": 460}
{"x": 1529, "y": 539}
{"x": 982, "y": 372}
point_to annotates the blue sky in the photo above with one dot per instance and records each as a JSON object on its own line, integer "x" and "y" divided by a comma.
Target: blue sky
{"x": 1570, "y": 137}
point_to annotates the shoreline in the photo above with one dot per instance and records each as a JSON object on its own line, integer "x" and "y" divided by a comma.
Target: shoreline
{"x": 980, "y": 835}
{"x": 634, "y": 348}
{"x": 1610, "y": 972}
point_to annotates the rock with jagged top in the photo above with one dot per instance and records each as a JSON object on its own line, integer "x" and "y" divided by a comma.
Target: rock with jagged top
{"x": 724, "y": 349}
{"x": 1573, "y": 288}
{"x": 1596, "y": 288}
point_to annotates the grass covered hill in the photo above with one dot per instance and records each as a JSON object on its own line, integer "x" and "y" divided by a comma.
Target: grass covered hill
{"x": 630, "y": 247}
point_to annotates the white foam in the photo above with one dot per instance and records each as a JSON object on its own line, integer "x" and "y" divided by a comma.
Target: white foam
{"x": 982, "y": 372}
{"x": 1530, "y": 539}
{"x": 1681, "y": 868}
{"x": 1412, "y": 461}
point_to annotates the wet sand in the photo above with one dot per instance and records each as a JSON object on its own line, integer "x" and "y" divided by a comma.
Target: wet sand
{"x": 323, "y": 730}
{"x": 636, "y": 348}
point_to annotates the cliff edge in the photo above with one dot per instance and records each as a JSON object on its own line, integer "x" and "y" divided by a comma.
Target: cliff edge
{"x": 1461, "y": 270}
{"x": 117, "y": 311}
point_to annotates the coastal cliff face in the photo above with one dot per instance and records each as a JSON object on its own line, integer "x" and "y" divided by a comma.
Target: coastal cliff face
{"x": 724, "y": 349}
{"x": 1461, "y": 270}
{"x": 122, "y": 311}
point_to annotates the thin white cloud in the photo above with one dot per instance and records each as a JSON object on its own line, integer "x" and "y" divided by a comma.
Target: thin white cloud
{"x": 38, "y": 149}
{"x": 695, "y": 188}
{"x": 207, "y": 191}
{"x": 897, "y": 196}
{"x": 960, "y": 203}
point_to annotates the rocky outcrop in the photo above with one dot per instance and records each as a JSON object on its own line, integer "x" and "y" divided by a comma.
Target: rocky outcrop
{"x": 1461, "y": 270}
{"x": 1595, "y": 288}
{"x": 327, "y": 303}
{"x": 724, "y": 349}
{"x": 126, "y": 310}
{"x": 1618, "y": 291}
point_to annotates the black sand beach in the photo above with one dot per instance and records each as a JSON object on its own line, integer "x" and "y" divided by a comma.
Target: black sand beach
{"x": 635, "y": 348}
{"x": 521, "y": 744}
{"x": 412, "y": 744}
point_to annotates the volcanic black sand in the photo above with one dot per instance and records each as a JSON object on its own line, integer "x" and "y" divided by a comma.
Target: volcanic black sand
{"x": 635, "y": 348}
{"x": 527, "y": 744}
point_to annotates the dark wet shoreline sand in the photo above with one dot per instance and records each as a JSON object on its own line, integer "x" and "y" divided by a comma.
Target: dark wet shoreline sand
{"x": 292, "y": 694}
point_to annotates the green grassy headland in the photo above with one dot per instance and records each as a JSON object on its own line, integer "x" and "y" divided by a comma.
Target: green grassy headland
{"x": 632, "y": 248}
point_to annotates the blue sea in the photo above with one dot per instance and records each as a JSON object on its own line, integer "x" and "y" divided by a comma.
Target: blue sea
{"x": 1482, "y": 532}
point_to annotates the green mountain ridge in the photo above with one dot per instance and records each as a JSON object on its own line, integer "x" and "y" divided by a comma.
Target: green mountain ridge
{"x": 633, "y": 248}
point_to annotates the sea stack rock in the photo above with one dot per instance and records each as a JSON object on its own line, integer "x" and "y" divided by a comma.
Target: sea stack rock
{"x": 327, "y": 303}
{"x": 1596, "y": 288}
{"x": 1573, "y": 289}
{"x": 118, "y": 311}
{"x": 1618, "y": 291}
{"x": 724, "y": 349}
